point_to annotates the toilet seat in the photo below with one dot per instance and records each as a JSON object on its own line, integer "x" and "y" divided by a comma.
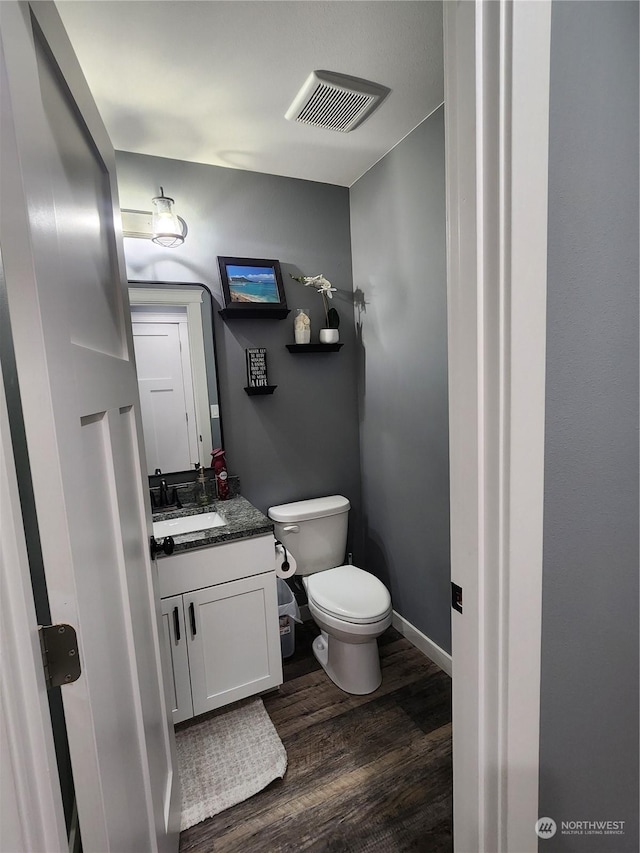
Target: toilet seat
{"x": 349, "y": 594}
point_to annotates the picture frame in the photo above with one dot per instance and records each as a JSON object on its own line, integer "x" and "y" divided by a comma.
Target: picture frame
{"x": 256, "y": 367}
{"x": 252, "y": 285}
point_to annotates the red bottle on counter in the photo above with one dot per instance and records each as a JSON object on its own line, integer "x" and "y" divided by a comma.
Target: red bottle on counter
{"x": 220, "y": 470}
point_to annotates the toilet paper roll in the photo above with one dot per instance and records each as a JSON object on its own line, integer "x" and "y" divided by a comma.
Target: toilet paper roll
{"x": 281, "y": 559}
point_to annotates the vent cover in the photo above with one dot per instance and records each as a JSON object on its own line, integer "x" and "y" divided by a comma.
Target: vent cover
{"x": 335, "y": 101}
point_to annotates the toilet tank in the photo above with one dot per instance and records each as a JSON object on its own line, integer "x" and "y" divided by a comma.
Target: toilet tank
{"x": 314, "y": 531}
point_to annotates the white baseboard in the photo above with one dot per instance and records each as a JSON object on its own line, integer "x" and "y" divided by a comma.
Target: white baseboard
{"x": 422, "y": 642}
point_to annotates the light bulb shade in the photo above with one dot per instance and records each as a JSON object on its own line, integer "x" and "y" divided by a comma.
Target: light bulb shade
{"x": 167, "y": 228}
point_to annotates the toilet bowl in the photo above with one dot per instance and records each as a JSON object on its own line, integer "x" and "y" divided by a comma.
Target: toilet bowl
{"x": 351, "y": 607}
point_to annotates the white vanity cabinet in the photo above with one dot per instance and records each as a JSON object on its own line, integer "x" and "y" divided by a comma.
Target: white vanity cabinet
{"x": 221, "y": 626}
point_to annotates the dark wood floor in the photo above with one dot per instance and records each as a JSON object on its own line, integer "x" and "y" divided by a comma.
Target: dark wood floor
{"x": 366, "y": 774}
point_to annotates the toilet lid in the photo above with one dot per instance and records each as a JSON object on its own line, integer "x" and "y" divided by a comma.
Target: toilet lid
{"x": 349, "y": 593}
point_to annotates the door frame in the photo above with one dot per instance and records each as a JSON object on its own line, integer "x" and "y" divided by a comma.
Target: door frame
{"x": 497, "y": 92}
{"x": 497, "y": 95}
{"x": 36, "y": 819}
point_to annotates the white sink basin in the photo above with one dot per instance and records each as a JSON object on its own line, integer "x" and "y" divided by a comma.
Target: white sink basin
{"x": 187, "y": 524}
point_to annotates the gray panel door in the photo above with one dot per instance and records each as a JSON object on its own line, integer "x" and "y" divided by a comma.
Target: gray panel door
{"x": 69, "y": 313}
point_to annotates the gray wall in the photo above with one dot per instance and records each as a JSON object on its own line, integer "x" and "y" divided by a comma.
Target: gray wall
{"x": 399, "y": 274}
{"x": 589, "y": 700}
{"x": 302, "y": 441}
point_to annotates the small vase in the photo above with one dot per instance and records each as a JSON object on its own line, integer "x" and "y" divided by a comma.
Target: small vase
{"x": 329, "y": 336}
{"x": 302, "y": 326}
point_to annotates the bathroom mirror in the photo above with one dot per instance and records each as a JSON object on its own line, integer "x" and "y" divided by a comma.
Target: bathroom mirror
{"x": 175, "y": 358}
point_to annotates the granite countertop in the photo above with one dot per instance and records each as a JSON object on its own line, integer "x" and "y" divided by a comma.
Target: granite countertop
{"x": 242, "y": 520}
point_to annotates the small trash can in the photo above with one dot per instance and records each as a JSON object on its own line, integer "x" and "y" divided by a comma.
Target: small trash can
{"x": 288, "y": 613}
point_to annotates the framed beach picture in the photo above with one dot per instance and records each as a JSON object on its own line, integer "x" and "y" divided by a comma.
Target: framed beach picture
{"x": 251, "y": 283}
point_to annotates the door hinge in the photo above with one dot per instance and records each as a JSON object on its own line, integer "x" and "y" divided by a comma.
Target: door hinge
{"x": 456, "y": 597}
{"x": 60, "y": 657}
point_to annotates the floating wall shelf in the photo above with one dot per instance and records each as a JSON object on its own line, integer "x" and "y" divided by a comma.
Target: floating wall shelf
{"x": 264, "y": 313}
{"x": 259, "y": 390}
{"x": 314, "y": 347}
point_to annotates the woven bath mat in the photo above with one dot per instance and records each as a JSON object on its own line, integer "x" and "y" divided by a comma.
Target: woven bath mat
{"x": 227, "y": 759}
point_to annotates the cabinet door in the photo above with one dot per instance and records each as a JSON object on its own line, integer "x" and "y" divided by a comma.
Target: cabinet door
{"x": 234, "y": 641}
{"x": 175, "y": 640}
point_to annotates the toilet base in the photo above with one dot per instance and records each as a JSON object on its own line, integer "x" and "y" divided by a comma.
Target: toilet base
{"x": 353, "y": 667}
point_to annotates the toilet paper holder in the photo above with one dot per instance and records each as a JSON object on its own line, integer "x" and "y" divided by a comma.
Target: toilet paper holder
{"x": 288, "y": 565}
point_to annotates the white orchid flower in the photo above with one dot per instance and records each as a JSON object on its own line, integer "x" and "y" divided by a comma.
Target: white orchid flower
{"x": 321, "y": 284}
{"x": 324, "y": 288}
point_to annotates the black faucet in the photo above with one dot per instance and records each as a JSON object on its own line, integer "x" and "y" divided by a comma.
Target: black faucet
{"x": 166, "y": 497}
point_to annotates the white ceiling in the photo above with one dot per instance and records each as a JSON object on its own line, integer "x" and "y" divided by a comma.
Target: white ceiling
{"x": 210, "y": 82}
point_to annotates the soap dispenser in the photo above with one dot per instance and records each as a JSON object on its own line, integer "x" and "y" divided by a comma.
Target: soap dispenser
{"x": 202, "y": 496}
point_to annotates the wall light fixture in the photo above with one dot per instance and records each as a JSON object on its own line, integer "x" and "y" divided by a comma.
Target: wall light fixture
{"x": 167, "y": 229}
{"x": 162, "y": 225}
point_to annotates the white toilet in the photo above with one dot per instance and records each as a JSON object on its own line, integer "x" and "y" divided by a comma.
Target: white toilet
{"x": 350, "y": 606}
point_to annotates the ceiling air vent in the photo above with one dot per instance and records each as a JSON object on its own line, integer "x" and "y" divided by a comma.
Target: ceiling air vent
{"x": 335, "y": 101}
